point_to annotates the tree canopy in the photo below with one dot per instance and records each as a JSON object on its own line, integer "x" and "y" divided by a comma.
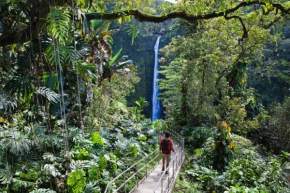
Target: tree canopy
{"x": 31, "y": 21}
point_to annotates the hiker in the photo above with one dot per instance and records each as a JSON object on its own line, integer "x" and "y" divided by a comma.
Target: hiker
{"x": 166, "y": 147}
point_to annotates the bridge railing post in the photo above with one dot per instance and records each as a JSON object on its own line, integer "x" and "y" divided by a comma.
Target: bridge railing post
{"x": 168, "y": 182}
{"x": 173, "y": 167}
{"x": 161, "y": 186}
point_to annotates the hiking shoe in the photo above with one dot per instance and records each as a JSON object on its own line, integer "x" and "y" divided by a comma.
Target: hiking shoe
{"x": 166, "y": 172}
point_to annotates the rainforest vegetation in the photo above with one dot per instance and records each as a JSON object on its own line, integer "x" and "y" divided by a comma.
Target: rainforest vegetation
{"x": 75, "y": 93}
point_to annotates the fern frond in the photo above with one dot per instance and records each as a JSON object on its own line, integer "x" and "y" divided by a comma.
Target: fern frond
{"x": 59, "y": 24}
{"x": 6, "y": 103}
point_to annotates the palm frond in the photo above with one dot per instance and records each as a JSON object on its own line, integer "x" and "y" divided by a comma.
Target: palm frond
{"x": 61, "y": 54}
{"x": 59, "y": 24}
{"x": 75, "y": 55}
{"x": 49, "y": 94}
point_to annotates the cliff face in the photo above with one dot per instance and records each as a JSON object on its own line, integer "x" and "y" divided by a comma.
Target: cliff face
{"x": 142, "y": 54}
{"x": 271, "y": 79}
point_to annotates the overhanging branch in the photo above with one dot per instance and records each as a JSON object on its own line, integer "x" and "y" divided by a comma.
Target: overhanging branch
{"x": 245, "y": 31}
{"x": 141, "y": 16}
{"x": 38, "y": 6}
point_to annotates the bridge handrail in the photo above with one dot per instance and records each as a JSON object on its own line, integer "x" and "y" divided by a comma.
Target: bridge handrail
{"x": 133, "y": 175}
{"x": 176, "y": 165}
{"x": 128, "y": 169}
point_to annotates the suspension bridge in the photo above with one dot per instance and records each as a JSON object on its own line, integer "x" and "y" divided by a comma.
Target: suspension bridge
{"x": 146, "y": 176}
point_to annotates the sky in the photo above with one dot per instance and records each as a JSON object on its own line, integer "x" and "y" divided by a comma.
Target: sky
{"x": 171, "y": 1}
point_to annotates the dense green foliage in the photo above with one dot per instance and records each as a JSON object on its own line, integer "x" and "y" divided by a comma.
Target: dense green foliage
{"x": 247, "y": 171}
{"x": 213, "y": 77}
{"x": 65, "y": 122}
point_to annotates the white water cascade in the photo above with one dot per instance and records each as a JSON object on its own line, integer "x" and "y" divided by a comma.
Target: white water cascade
{"x": 156, "y": 105}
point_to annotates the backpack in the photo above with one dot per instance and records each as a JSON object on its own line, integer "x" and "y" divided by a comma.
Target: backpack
{"x": 165, "y": 146}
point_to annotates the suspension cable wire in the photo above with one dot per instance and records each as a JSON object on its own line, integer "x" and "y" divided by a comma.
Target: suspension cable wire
{"x": 76, "y": 68}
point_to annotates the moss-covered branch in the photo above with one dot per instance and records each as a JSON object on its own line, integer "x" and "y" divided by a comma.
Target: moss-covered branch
{"x": 17, "y": 36}
{"x": 141, "y": 16}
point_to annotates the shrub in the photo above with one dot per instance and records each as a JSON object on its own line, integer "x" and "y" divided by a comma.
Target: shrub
{"x": 77, "y": 181}
{"x": 247, "y": 172}
{"x": 277, "y": 132}
{"x": 196, "y": 137}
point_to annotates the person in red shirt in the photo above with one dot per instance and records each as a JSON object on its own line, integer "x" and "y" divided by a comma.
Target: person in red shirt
{"x": 166, "y": 147}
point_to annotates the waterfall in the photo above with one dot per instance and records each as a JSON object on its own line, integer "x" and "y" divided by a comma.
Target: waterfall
{"x": 156, "y": 106}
